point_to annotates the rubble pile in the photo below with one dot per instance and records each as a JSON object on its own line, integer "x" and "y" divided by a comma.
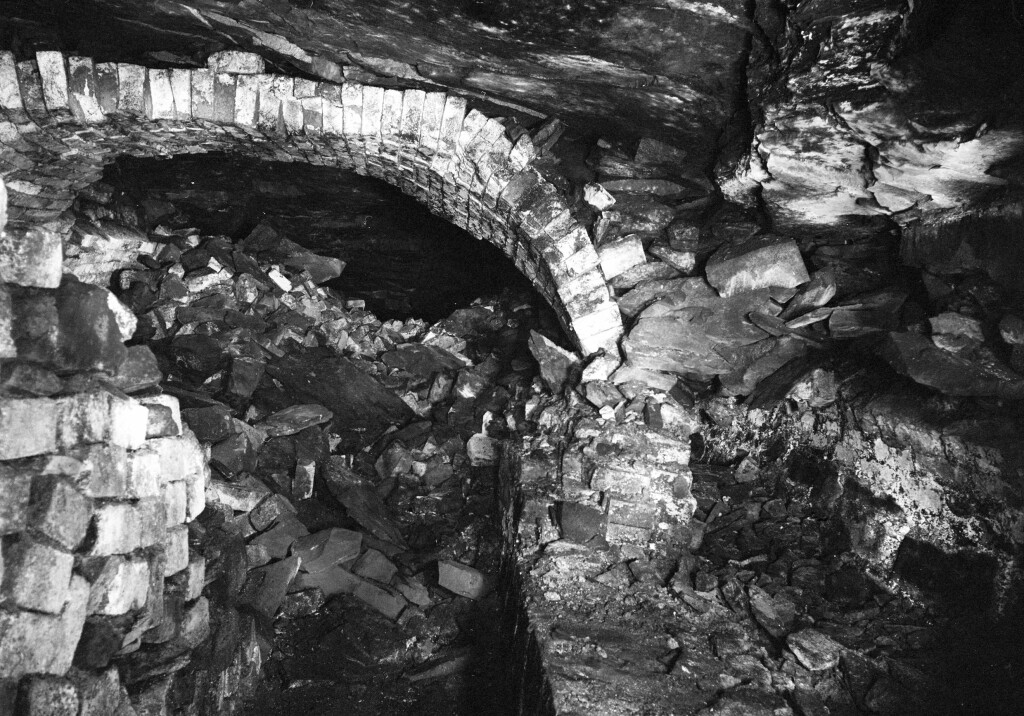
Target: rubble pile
{"x": 777, "y": 571}
{"x": 353, "y": 460}
{"x": 707, "y": 293}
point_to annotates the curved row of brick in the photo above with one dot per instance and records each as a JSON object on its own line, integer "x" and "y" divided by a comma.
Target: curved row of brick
{"x": 62, "y": 118}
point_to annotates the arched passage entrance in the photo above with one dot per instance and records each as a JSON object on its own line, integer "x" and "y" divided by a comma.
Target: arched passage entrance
{"x": 65, "y": 117}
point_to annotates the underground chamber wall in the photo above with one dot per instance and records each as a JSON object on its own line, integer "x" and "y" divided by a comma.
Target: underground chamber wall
{"x": 352, "y": 460}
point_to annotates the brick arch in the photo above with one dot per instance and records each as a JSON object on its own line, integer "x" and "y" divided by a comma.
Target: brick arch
{"x": 63, "y": 118}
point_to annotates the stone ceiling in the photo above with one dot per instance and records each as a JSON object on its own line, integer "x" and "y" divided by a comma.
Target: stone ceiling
{"x": 828, "y": 114}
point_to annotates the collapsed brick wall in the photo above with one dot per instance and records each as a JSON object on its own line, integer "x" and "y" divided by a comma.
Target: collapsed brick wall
{"x": 63, "y": 118}
{"x": 97, "y": 490}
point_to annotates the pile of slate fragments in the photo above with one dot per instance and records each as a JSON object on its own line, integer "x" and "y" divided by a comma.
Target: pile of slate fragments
{"x": 370, "y": 549}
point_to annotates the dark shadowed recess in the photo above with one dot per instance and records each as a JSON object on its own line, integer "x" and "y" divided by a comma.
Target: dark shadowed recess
{"x": 401, "y": 259}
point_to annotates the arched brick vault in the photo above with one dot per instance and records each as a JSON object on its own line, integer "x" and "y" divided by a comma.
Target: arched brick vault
{"x": 65, "y": 117}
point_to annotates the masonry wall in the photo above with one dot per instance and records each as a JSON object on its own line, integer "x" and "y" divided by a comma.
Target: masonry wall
{"x": 63, "y": 118}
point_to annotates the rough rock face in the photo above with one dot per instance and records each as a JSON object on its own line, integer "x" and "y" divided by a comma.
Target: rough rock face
{"x": 868, "y": 108}
{"x": 664, "y": 68}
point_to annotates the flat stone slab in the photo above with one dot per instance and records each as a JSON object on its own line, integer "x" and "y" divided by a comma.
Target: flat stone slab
{"x": 763, "y": 261}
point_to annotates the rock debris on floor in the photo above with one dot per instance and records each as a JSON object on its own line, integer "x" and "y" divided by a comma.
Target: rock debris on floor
{"x": 354, "y": 463}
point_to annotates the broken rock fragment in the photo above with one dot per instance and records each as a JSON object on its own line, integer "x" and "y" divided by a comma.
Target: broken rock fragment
{"x": 462, "y": 579}
{"x": 295, "y": 419}
{"x": 814, "y": 650}
{"x": 763, "y": 261}
{"x": 555, "y": 362}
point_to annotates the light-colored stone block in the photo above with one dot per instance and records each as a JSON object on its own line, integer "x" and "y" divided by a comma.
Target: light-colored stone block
{"x": 620, "y": 255}
{"x": 82, "y": 419}
{"x": 121, "y": 528}
{"x": 131, "y": 82}
{"x": 128, "y": 421}
{"x": 59, "y": 511}
{"x": 236, "y": 62}
{"x": 246, "y": 100}
{"x": 223, "y": 98}
{"x": 15, "y": 490}
{"x": 40, "y": 643}
{"x": 10, "y": 92}
{"x": 176, "y": 549}
{"x": 430, "y": 122}
{"x": 158, "y": 95}
{"x": 82, "y": 91}
{"x": 7, "y": 347}
{"x": 181, "y": 90}
{"x": 38, "y": 576}
{"x": 54, "y": 77}
{"x": 27, "y": 427}
{"x": 120, "y": 586}
{"x": 175, "y": 496}
{"x": 202, "y": 95}
{"x": 31, "y": 258}
{"x": 104, "y": 471}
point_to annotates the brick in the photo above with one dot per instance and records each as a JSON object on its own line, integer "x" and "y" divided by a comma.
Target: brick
{"x": 334, "y": 116}
{"x": 121, "y": 528}
{"x": 27, "y": 427}
{"x": 32, "y": 91}
{"x": 158, "y": 97}
{"x": 372, "y": 110}
{"x": 268, "y": 106}
{"x": 626, "y": 534}
{"x": 181, "y": 91}
{"x": 49, "y": 696}
{"x": 37, "y": 576}
{"x": 352, "y": 109}
{"x": 236, "y": 62}
{"x": 15, "y": 492}
{"x": 83, "y": 98}
{"x": 59, "y": 511}
{"x": 246, "y": 100}
{"x": 430, "y": 125}
{"x": 176, "y": 549}
{"x": 40, "y": 643}
{"x": 120, "y": 585}
{"x": 104, "y": 471}
{"x": 164, "y": 419}
{"x": 391, "y": 115}
{"x": 193, "y": 578}
{"x": 128, "y": 421}
{"x": 223, "y": 98}
{"x": 638, "y": 513}
{"x": 203, "y": 106}
{"x": 131, "y": 80}
{"x": 54, "y": 78}
{"x": 144, "y": 478}
{"x": 175, "y": 496}
{"x": 291, "y": 115}
{"x": 10, "y": 92}
{"x": 412, "y": 115}
{"x": 312, "y": 115}
{"x": 82, "y": 419}
{"x": 106, "y": 86}
{"x": 33, "y": 257}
